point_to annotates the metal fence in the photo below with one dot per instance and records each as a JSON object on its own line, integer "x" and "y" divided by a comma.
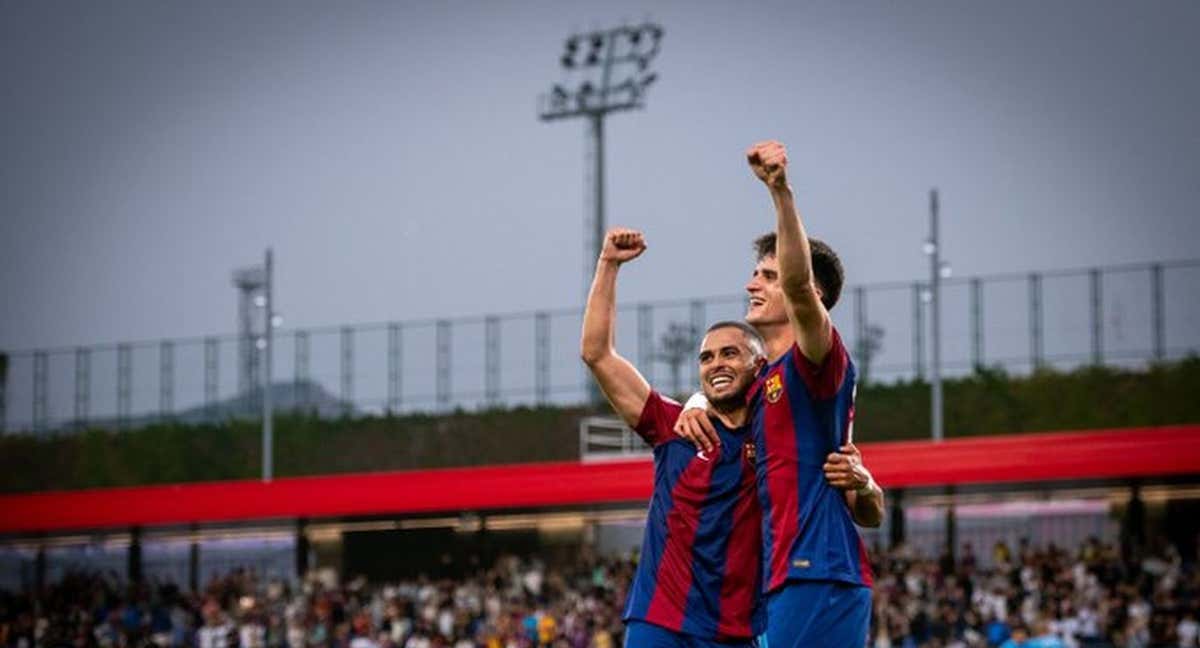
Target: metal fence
{"x": 1120, "y": 315}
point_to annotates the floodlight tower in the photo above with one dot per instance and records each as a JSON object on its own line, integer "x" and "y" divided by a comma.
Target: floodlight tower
{"x": 599, "y": 58}
{"x": 255, "y": 286}
{"x": 250, "y": 283}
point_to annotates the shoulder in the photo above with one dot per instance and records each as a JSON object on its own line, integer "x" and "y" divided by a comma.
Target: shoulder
{"x": 657, "y": 419}
{"x": 826, "y": 378}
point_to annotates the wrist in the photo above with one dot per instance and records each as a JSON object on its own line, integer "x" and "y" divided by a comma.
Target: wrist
{"x": 697, "y": 401}
{"x": 781, "y": 192}
{"x": 868, "y": 489}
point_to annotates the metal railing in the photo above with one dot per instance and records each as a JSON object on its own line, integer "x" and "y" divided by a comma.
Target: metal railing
{"x": 1120, "y": 315}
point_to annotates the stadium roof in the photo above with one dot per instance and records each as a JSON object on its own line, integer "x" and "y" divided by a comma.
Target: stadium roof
{"x": 1074, "y": 456}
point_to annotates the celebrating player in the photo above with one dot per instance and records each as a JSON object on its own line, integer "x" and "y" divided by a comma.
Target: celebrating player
{"x": 698, "y": 579}
{"x": 811, "y": 480}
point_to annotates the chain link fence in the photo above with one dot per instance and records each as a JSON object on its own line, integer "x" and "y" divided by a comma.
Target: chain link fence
{"x": 1120, "y": 315}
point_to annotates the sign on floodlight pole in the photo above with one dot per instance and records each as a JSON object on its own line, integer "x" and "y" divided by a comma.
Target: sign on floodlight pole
{"x": 268, "y": 428}
{"x": 625, "y": 52}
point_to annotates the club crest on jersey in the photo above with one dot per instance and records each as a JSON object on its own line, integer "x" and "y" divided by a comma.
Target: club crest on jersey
{"x": 774, "y": 387}
{"x": 748, "y": 451}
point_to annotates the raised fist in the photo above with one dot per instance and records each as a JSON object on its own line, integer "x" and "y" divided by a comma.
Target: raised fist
{"x": 621, "y": 245}
{"x": 769, "y": 161}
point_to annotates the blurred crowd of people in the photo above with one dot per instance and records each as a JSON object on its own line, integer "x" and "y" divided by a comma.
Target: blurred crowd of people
{"x": 1034, "y": 598}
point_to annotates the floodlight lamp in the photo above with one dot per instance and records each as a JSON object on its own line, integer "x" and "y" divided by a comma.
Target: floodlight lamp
{"x": 260, "y": 343}
{"x": 929, "y": 247}
{"x": 260, "y": 301}
{"x": 926, "y": 295}
{"x": 276, "y": 321}
{"x": 944, "y": 272}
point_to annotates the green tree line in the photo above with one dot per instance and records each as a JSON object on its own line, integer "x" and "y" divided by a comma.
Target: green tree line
{"x": 986, "y": 402}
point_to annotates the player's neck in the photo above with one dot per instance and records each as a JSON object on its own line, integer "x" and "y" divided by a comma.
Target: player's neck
{"x": 732, "y": 419}
{"x": 779, "y": 338}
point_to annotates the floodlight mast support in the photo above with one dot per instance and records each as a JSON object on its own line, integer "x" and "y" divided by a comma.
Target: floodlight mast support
{"x": 640, "y": 45}
{"x": 268, "y": 422}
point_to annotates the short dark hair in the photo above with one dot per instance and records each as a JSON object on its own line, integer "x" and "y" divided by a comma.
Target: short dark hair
{"x": 827, "y": 267}
{"x": 752, "y": 335}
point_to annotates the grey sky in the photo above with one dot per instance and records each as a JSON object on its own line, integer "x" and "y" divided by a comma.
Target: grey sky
{"x": 391, "y": 155}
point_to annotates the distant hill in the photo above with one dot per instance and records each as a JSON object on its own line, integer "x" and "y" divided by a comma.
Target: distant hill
{"x": 304, "y": 396}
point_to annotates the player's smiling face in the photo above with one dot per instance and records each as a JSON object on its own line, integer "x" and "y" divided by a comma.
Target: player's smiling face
{"x": 727, "y": 366}
{"x": 767, "y": 306}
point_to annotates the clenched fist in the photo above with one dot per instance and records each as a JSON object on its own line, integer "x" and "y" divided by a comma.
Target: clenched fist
{"x": 621, "y": 245}
{"x": 769, "y": 161}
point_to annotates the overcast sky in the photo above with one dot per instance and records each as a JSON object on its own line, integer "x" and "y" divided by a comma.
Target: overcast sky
{"x": 391, "y": 155}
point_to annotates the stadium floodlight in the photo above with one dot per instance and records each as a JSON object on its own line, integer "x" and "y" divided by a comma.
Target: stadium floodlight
{"x": 610, "y": 69}
{"x": 613, "y": 77}
{"x": 255, "y": 287}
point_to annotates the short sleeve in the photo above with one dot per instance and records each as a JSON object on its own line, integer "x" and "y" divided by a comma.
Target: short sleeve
{"x": 825, "y": 379}
{"x": 658, "y": 418}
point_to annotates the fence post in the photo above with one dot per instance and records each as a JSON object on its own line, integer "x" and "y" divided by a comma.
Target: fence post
{"x": 166, "y": 379}
{"x": 347, "y": 370}
{"x": 645, "y": 326}
{"x": 443, "y": 364}
{"x": 1159, "y": 315}
{"x": 1094, "y": 277}
{"x": 124, "y": 384}
{"x": 300, "y": 376}
{"x": 211, "y": 358}
{"x": 860, "y": 326}
{"x": 83, "y": 385}
{"x": 698, "y": 326}
{"x": 40, "y": 398}
{"x": 395, "y": 351}
{"x": 977, "y": 322}
{"x": 491, "y": 364}
{"x": 918, "y": 331}
{"x": 3, "y": 392}
{"x": 1035, "y": 320}
{"x": 541, "y": 359}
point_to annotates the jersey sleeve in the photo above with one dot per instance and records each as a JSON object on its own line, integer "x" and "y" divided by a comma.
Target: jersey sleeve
{"x": 825, "y": 379}
{"x": 657, "y": 419}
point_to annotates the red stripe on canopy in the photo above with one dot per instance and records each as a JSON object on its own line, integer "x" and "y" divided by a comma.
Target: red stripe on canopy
{"x": 1101, "y": 454}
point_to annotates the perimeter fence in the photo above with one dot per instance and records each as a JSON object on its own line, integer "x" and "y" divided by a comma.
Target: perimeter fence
{"x": 1128, "y": 315}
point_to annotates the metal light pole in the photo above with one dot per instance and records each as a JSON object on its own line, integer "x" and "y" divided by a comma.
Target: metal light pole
{"x": 623, "y": 52}
{"x": 268, "y": 428}
{"x": 937, "y": 271}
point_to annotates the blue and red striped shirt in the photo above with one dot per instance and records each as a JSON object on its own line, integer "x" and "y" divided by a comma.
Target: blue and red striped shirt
{"x": 801, "y": 412}
{"x": 699, "y": 568}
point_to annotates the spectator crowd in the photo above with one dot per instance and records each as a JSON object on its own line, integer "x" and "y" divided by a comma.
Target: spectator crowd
{"x": 1026, "y": 597}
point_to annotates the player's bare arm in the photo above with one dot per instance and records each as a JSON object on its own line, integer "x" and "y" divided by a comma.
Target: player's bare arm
{"x": 809, "y": 318}
{"x": 620, "y": 381}
{"x": 844, "y": 469}
{"x": 695, "y": 423}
